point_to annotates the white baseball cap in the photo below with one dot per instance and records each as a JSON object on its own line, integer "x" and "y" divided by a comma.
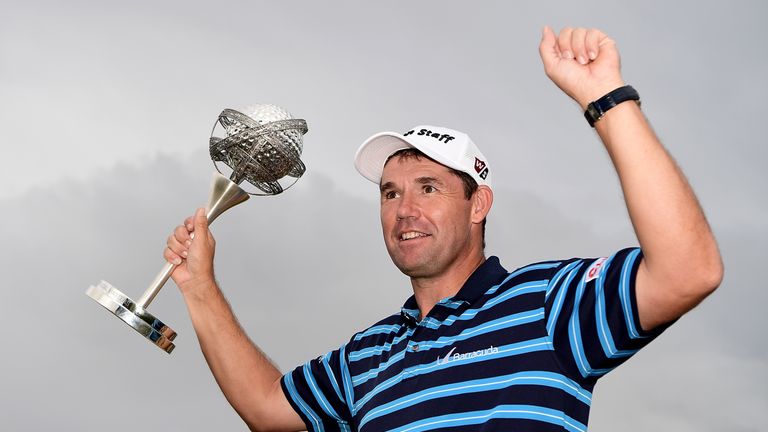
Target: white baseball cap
{"x": 449, "y": 147}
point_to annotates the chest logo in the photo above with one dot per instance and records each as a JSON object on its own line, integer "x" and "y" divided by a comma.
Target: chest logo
{"x": 454, "y": 356}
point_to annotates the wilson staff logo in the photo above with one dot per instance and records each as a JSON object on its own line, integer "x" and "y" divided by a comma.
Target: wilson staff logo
{"x": 481, "y": 169}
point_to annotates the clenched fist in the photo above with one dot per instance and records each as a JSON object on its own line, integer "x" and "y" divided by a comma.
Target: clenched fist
{"x": 584, "y": 63}
{"x": 191, "y": 248}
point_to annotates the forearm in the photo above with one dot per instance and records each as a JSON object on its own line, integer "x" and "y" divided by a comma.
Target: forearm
{"x": 246, "y": 376}
{"x": 680, "y": 253}
{"x": 249, "y": 381}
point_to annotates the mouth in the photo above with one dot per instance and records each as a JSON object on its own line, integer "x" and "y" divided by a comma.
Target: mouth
{"x": 411, "y": 235}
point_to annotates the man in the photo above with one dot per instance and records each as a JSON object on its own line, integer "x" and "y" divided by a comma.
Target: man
{"x": 477, "y": 347}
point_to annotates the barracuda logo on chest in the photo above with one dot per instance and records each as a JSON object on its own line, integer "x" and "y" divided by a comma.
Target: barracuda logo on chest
{"x": 454, "y": 356}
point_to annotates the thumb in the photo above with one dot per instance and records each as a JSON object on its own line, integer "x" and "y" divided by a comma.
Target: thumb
{"x": 201, "y": 222}
{"x": 548, "y": 47}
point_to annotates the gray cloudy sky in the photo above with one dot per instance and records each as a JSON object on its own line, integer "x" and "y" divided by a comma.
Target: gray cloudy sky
{"x": 105, "y": 112}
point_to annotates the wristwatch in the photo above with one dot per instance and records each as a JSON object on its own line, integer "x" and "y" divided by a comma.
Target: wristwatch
{"x": 597, "y": 109}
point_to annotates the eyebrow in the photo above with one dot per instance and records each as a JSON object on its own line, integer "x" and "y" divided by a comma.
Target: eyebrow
{"x": 420, "y": 180}
{"x": 429, "y": 180}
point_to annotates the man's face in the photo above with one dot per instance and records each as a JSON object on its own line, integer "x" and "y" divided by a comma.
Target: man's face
{"x": 425, "y": 216}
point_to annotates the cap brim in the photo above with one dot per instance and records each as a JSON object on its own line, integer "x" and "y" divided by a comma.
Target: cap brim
{"x": 373, "y": 154}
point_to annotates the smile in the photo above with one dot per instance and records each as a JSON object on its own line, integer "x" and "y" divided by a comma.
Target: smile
{"x": 412, "y": 235}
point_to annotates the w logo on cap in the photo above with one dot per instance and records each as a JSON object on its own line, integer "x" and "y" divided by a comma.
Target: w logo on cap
{"x": 479, "y": 165}
{"x": 481, "y": 169}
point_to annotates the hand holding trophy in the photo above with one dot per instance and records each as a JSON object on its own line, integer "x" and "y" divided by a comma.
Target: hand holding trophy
{"x": 262, "y": 148}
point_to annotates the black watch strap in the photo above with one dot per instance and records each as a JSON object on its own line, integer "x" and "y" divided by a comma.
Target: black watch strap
{"x": 597, "y": 109}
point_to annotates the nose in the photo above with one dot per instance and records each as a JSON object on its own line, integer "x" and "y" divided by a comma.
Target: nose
{"x": 408, "y": 207}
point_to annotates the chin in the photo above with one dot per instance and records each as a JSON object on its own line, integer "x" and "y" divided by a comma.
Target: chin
{"x": 414, "y": 270}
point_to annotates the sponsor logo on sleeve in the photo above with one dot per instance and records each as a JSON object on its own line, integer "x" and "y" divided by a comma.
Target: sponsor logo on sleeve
{"x": 594, "y": 270}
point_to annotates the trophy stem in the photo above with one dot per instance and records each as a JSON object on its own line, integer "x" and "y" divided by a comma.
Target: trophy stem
{"x": 155, "y": 286}
{"x": 224, "y": 195}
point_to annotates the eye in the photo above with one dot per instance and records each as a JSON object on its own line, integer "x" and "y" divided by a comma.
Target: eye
{"x": 390, "y": 194}
{"x": 429, "y": 189}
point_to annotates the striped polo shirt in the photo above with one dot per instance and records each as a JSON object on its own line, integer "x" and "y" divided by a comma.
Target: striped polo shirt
{"x": 511, "y": 351}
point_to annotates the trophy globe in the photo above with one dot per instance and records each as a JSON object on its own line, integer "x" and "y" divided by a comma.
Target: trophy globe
{"x": 261, "y": 145}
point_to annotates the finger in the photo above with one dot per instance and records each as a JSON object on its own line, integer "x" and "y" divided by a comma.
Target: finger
{"x": 593, "y": 38}
{"x": 172, "y": 257}
{"x": 200, "y": 222}
{"x": 578, "y": 45}
{"x": 564, "y": 43}
{"x": 548, "y": 47}
{"x": 605, "y": 44}
{"x": 182, "y": 234}
{"x": 175, "y": 251}
{"x": 178, "y": 247}
{"x": 188, "y": 223}
{"x": 180, "y": 241}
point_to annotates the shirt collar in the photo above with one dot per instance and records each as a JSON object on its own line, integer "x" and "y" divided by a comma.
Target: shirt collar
{"x": 488, "y": 274}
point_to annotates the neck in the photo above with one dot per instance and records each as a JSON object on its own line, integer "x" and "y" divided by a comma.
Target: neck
{"x": 430, "y": 290}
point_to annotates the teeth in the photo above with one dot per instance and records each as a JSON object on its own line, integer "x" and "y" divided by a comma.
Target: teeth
{"x": 411, "y": 235}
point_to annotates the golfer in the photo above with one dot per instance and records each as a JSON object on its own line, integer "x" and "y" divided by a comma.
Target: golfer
{"x": 478, "y": 347}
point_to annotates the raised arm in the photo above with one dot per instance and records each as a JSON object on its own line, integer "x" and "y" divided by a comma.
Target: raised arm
{"x": 250, "y": 382}
{"x": 681, "y": 262}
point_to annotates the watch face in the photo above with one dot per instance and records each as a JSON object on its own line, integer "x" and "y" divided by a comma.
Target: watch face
{"x": 593, "y": 113}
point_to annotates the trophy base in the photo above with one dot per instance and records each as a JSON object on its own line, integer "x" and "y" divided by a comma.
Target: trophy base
{"x": 135, "y": 316}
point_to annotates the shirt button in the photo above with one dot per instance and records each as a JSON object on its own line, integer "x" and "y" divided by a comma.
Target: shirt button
{"x": 415, "y": 347}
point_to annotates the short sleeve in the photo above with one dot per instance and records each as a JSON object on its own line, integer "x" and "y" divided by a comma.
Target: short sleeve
{"x": 319, "y": 391}
{"x": 591, "y": 314}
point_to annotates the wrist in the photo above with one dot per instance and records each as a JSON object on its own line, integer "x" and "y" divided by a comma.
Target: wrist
{"x": 594, "y": 93}
{"x": 199, "y": 290}
{"x": 596, "y": 109}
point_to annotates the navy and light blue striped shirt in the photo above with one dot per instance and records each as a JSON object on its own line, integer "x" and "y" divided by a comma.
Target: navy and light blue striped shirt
{"x": 511, "y": 351}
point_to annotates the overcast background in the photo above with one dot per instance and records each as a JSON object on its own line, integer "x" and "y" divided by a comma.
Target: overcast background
{"x": 105, "y": 113}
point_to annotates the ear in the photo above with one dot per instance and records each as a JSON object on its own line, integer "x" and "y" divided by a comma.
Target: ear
{"x": 482, "y": 200}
